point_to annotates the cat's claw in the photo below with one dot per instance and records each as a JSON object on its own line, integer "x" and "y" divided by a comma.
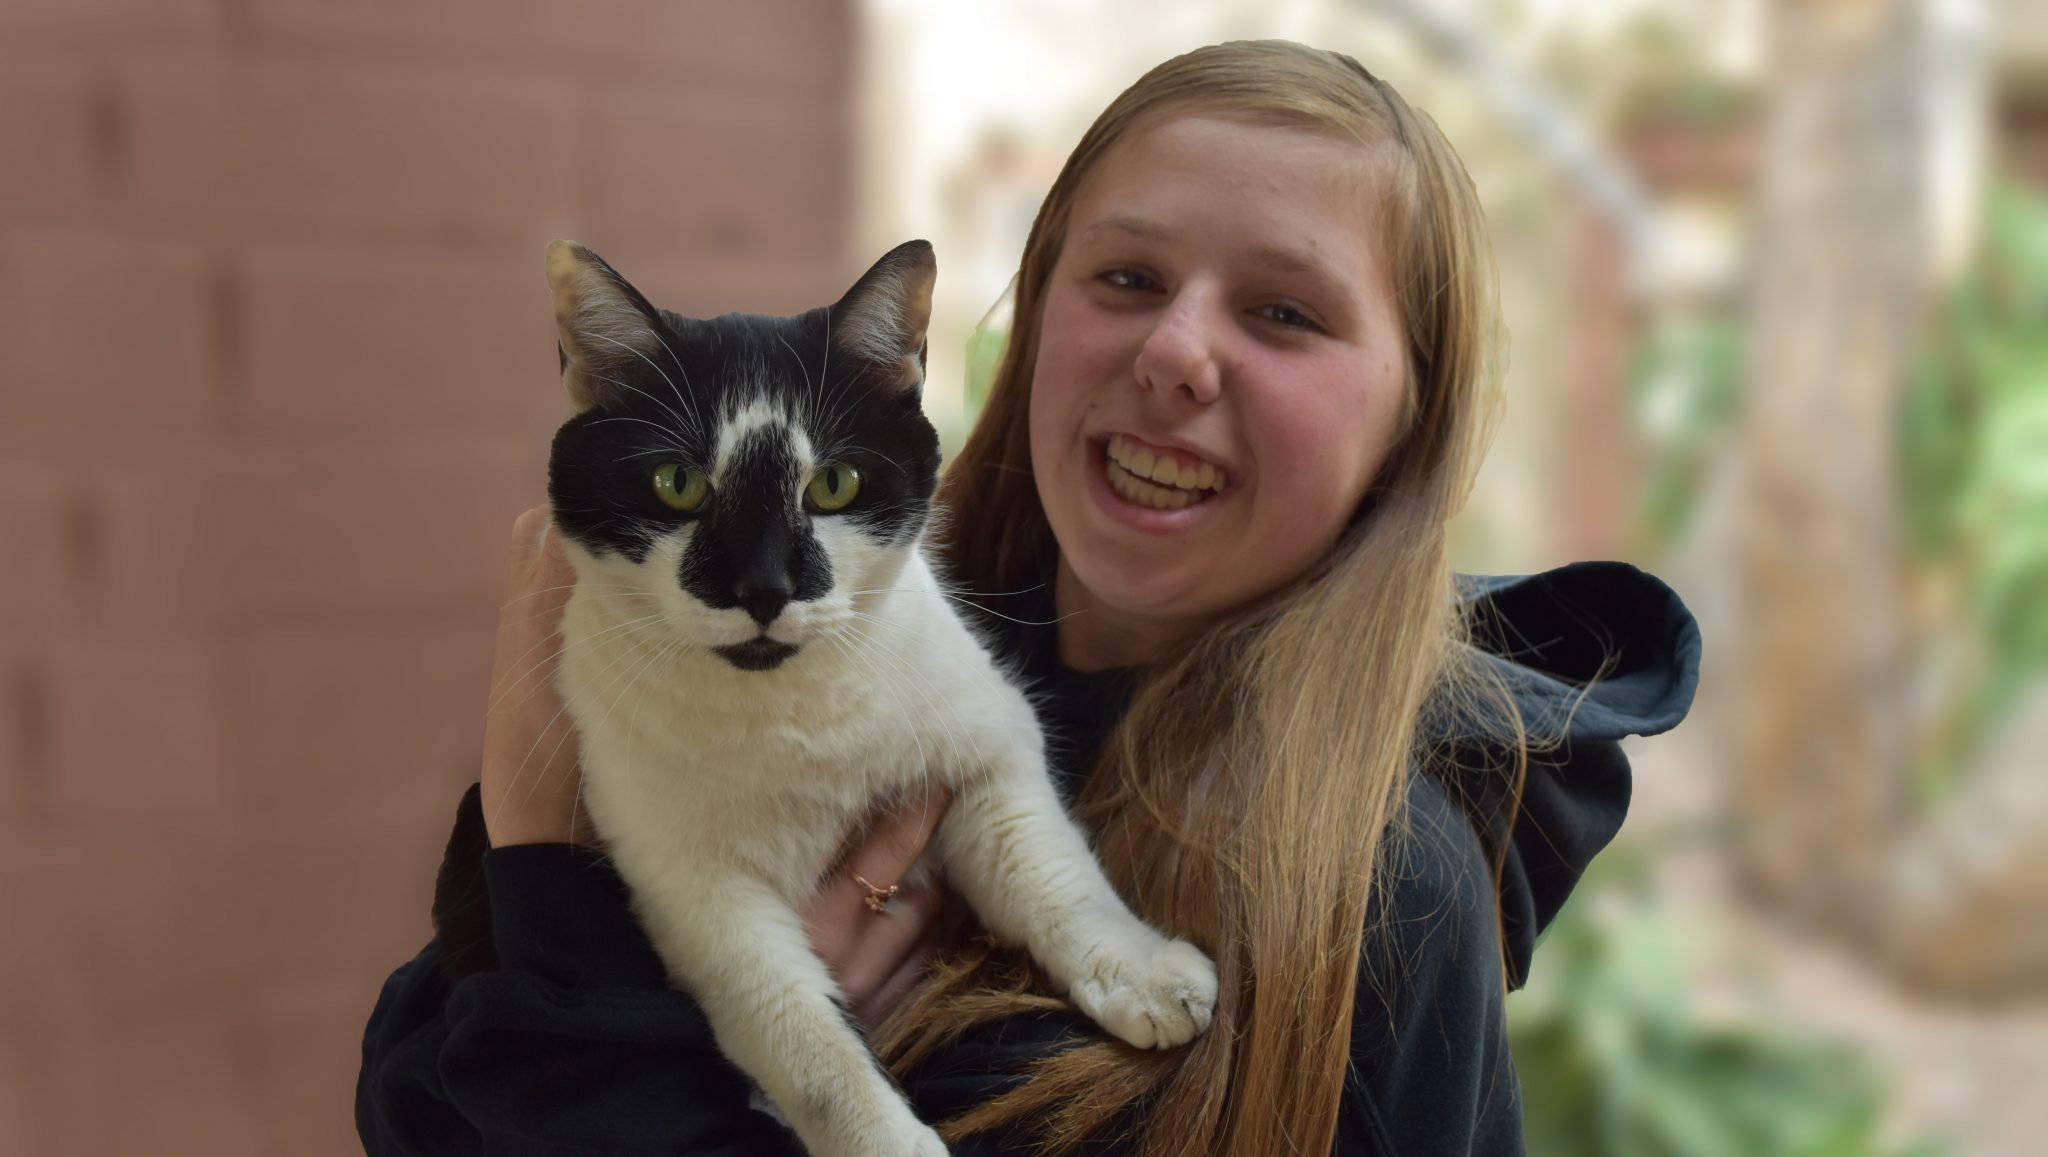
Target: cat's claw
{"x": 1154, "y": 995}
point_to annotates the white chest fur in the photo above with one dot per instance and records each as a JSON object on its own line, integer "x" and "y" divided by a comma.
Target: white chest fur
{"x": 687, "y": 758}
{"x": 722, "y": 795}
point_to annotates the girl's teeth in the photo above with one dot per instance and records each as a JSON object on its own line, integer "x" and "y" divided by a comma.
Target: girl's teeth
{"x": 1143, "y": 493}
{"x": 1145, "y": 466}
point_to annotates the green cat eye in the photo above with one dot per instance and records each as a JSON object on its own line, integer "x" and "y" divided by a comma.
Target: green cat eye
{"x": 681, "y": 488}
{"x": 833, "y": 487}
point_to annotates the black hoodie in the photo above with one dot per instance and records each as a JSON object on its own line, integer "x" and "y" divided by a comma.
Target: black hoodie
{"x": 538, "y": 1022}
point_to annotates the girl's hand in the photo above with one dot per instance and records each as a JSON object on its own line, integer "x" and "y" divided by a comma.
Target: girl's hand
{"x": 877, "y": 957}
{"x": 530, "y": 771}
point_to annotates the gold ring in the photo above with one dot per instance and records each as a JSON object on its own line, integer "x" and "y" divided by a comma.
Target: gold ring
{"x": 877, "y": 898}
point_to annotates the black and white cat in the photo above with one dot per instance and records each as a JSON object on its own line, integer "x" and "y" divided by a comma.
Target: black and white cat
{"x": 757, "y": 649}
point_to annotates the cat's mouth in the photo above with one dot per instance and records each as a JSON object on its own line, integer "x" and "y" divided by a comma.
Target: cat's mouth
{"x": 757, "y": 654}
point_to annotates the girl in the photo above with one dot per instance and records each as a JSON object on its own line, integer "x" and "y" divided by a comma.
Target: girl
{"x": 1297, "y": 739}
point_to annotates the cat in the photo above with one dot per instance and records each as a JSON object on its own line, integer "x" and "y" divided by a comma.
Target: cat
{"x": 757, "y": 650}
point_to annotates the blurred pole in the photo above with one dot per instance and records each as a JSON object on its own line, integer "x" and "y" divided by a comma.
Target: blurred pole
{"x": 1544, "y": 122}
{"x": 1842, "y": 271}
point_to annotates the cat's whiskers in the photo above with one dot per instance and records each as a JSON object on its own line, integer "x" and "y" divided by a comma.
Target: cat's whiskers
{"x": 633, "y": 603}
{"x": 913, "y": 671}
{"x": 656, "y": 333}
{"x": 841, "y": 646}
{"x": 943, "y": 591}
{"x": 567, "y": 586}
{"x": 801, "y": 368}
{"x": 838, "y": 394}
{"x": 631, "y": 649}
{"x": 622, "y": 681}
{"x": 967, "y": 602}
{"x": 687, "y": 404}
{"x": 652, "y": 453}
{"x": 846, "y": 382}
{"x": 625, "y": 685}
{"x": 921, "y": 683}
{"x": 853, "y": 641}
{"x": 677, "y": 448}
{"x": 683, "y": 425}
{"x": 543, "y": 663}
{"x": 637, "y": 597}
{"x": 994, "y": 677}
{"x": 857, "y": 638}
{"x": 826, "y": 368}
{"x": 837, "y": 449}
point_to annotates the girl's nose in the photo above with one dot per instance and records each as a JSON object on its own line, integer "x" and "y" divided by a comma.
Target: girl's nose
{"x": 1177, "y": 356}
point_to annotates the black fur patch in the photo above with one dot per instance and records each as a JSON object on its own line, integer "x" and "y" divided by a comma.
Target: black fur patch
{"x": 754, "y": 544}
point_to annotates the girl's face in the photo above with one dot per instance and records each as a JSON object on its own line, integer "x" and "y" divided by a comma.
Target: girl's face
{"x": 1220, "y": 372}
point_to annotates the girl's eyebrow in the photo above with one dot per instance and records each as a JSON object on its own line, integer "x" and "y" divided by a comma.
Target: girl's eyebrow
{"x": 1138, "y": 227}
{"x": 1276, "y": 258}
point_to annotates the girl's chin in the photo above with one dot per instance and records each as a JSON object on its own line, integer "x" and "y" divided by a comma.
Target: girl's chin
{"x": 1123, "y": 588}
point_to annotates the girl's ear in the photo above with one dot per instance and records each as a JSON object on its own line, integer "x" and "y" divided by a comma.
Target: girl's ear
{"x": 604, "y": 327}
{"x": 884, "y": 316}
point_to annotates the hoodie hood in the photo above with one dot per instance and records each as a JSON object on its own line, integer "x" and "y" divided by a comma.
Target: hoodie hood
{"x": 1591, "y": 652}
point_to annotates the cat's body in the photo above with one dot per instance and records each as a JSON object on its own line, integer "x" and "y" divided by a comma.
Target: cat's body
{"x": 758, "y": 656}
{"x": 760, "y": 773}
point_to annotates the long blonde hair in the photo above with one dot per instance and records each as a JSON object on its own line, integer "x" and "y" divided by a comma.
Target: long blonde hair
{"x": 1241, "y": 801}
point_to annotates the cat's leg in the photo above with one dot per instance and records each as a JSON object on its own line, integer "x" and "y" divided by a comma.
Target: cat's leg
{"x": 772, "y": 1004}
{"x": 1012, "y": 851}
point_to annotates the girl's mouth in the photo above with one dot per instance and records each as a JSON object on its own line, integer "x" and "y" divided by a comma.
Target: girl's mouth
{"x": 1159, "y": 479}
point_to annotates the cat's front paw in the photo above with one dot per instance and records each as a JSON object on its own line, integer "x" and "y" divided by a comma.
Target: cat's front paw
{"x": 913, "y": 1139}
{"x": 895, "y": 1132}
{"x": 1155, "y": 993}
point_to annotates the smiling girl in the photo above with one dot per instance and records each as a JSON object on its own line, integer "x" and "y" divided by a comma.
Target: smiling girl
{"x": 1250, "y": 383}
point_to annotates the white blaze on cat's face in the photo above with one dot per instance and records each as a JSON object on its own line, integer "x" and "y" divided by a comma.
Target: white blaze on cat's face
{"x": 742, "y": 483}
{"x": 837, "y": 566}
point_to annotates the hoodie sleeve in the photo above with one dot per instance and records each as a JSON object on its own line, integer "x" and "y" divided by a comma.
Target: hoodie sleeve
{"x": 539, "y": 1021}
{"x": 1592, "y": 652}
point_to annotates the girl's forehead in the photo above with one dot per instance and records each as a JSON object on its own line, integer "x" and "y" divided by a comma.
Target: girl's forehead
{"x": 1193, "y": 155}
{"x": 1276, "y": 189}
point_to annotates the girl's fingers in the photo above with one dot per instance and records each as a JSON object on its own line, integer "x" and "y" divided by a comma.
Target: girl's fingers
{"x": 885, "y": 853}
{"x": 880, "y": 944}
{"x": 876, "y": 1007}
{"x": 863, "y": 947}
{"x": 530, "y": 774}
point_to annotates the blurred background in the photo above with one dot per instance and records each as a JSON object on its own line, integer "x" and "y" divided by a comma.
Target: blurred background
{"x": 276, "y": 374}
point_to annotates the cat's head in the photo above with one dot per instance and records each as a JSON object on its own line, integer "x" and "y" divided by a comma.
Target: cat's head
{"x": 742, "y": 483}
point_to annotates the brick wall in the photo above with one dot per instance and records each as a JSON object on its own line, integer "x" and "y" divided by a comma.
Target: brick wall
{"x": 276, "y": 372}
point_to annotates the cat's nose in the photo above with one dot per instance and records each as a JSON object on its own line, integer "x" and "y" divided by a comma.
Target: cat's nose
{"x": 762, "y": 598}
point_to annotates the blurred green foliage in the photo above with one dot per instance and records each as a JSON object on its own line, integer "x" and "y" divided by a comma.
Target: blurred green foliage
{"x": 985, "y": 347}
{"x": 1684, "y": 384}
{"x": 1972, "y": 452}
{"x": 1973, "y": 456}
{"x": 1614, "y": 1063}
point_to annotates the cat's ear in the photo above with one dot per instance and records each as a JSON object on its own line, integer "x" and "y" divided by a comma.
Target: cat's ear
{"x": 884, "y": 316}
{"x": 603, "y": 326}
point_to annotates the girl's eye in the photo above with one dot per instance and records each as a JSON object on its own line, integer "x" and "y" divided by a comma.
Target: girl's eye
{"x": 680, "y": 488}
{"x": 1126, "y": 279}
{"x": 833, "y": 488}
{"x": 1289, "y": 316}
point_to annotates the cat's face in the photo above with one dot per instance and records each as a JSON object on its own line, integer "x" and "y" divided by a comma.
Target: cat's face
{"x": 745, "y": 484}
